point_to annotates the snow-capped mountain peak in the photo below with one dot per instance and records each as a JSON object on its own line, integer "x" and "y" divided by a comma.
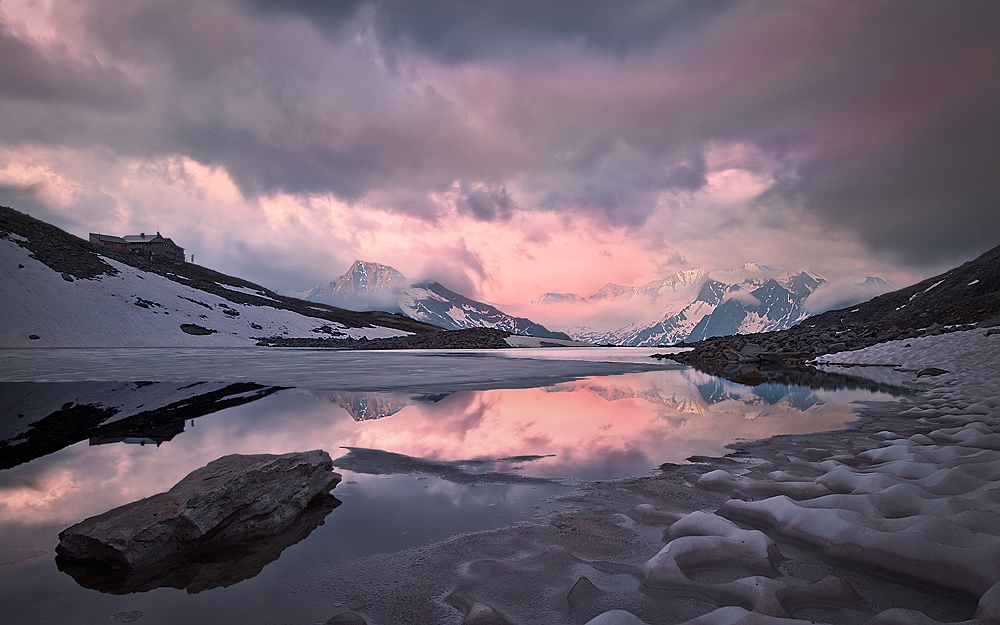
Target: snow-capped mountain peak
{"x": 373, "y": 286}
{"x": 372, "y": 277}
{"x": 695, "y": 304}
{"x": 556, "y": 298}
{"x": 613, "y": 291}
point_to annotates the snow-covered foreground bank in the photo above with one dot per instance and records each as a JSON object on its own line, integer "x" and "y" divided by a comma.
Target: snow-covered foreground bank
{"x": 895, "y": 520}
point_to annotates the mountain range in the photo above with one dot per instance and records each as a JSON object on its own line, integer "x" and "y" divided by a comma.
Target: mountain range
{"x": 695, "y": 304}
{"x": 687, "y": 306}
{"x": 62, "y": 291}
{"x": 372, "y": 286}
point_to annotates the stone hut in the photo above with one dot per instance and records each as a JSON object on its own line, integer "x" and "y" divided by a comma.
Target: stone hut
{"x": 153, "y": 246}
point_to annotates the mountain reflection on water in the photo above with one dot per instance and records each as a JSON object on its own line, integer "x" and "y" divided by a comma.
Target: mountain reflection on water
{"x": 593, "y": 428}
{"x": 375, "y": 405}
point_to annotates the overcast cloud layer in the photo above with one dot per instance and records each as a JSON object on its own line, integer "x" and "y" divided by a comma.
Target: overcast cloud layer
{"x": 511, "y": 148}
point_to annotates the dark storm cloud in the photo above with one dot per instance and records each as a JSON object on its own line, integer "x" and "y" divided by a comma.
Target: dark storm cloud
{"x": 623, "y": 183}
{"x": 242, "y": 94}
{"x": 27, "y": 73}
{"x": 460, "y": 30}
{"x": 486, "y": 203}
{"x": 348, "y": 165}
{"x": 25, "y": 197}
{"x": 30, "y": 199}
{"x": 909, "y": 153}
{"x": 877, "y": 116}
{"x": 928, "y": 195}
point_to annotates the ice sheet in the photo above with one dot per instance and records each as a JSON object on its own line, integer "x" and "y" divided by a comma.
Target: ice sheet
{"x": 424, "y": 371}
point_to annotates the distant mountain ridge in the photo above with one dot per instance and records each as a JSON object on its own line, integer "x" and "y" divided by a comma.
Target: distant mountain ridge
{"x": 368, "y": 285}
{"x": 696, "y": 304}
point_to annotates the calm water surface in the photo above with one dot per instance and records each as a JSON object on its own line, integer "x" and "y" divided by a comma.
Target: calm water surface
{"x": 595, "y": 427}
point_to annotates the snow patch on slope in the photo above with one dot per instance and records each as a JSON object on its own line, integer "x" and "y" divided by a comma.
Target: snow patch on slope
{"x": 134, "y": 309}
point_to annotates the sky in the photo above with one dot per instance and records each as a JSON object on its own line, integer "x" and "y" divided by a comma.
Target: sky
{"x": 508, "y": 149}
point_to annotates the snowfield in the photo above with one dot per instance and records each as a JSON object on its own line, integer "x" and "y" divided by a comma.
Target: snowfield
{"x": 965, "y": 355}
{"x": 136, "y": 309}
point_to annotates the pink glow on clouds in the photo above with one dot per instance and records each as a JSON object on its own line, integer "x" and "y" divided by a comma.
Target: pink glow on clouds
{"x": 510, "y": 262}
{"x": 556, "y": 166}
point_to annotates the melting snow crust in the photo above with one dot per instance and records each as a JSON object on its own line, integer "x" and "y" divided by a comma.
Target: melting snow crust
{"x": 869, "y": 525}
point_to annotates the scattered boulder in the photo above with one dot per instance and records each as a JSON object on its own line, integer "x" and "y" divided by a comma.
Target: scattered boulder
{"x": 933, "y": 329}
{"x": 931, "y": 371}
{"x": 220, "y": 524}
{"x": 772, "y": 358}
{"x": 347, "y": 618}
{"x": 195, "y": 329}
{"x": 731, "y": 355}
{"x": 750, "y": 378}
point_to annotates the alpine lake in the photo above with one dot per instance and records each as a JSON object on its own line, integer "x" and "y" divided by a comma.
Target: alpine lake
{"x": 430, "y": 445}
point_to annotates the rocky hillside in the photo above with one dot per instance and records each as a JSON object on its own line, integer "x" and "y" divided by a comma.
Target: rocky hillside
{"x": 955, "y": 296}
{"x": 960, "y": 299}
{"x": 468, "y": 338}
{"x": 62, "y": 291}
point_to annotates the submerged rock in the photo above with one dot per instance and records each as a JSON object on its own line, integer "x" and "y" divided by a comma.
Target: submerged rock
{"x": 931, "y": 371}
{"x": 220, "y": 524}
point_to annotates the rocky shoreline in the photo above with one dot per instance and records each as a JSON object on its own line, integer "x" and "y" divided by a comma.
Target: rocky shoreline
{"x": 783, "y": 356}
{"x": 470, "y": 338}
{"x": 964, "y": 298}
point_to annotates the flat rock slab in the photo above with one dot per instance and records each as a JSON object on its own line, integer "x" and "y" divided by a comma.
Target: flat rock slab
{"x": 231, "y": 505}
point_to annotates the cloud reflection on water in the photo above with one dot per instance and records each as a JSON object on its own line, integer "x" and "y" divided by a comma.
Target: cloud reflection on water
{"x": 591, "y": 429}
{"x": 602, "y": 427}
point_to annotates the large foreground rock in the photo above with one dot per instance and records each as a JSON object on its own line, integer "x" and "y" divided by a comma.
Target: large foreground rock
{"x": 240, "y": 510}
